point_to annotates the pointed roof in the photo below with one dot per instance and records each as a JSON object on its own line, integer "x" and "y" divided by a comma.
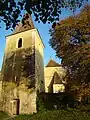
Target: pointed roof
{"x": 57, "y": 79}
{"x": 25, "y": 24}
{"x": 52, "y": 63}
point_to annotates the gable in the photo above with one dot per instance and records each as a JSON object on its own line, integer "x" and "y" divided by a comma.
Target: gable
{"x": 52, "y": 63}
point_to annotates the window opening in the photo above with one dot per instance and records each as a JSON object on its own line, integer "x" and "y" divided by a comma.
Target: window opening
{"x": 20, "y": 43}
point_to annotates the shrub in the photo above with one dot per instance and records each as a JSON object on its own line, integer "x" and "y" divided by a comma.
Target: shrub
{"x": 55, "y": 114}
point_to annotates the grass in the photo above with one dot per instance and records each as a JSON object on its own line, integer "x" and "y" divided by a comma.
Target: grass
{"x": 3, "y": 115}
{"x": 51, "y": 115}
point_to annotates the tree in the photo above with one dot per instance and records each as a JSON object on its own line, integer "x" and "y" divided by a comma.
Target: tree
{"x": 71, "y": 41}
{"x": 43, "y": 10}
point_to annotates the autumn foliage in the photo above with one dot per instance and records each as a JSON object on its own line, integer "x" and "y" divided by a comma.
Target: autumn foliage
{"x": 43, "y": 10}
{"x": 71, "y": 41}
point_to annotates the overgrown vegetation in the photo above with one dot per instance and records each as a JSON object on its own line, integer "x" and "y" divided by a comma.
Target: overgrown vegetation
{"x": 70, "y": 114}
{"x": 3, "y": 115}
{"x": 43, "y": 10}
{"x": 18, "y": 64}
{"x": 71, "y": 41}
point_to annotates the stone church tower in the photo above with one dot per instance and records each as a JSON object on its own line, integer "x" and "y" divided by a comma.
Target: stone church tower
{"x": 23, "y": 68}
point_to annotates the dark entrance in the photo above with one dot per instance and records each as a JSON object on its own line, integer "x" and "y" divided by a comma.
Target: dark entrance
{"x": 15, "y": 106}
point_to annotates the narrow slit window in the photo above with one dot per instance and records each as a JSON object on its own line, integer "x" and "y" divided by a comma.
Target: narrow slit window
{"x": 20, "y": 43}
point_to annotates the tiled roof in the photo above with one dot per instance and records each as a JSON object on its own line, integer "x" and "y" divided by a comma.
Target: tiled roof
{"x": 26, "y": 24}
{"x": 52, "y": 63}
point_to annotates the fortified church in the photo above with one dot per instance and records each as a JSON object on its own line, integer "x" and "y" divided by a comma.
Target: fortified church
{"x": 23, "y": 73}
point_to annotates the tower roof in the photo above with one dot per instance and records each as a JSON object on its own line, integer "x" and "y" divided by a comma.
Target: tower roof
{"x": 52, "y": 63}
{"x": 25, "y": 24}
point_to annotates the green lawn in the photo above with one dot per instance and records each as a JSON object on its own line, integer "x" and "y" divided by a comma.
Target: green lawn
{"x": 3, "y": 116}
{"x": 51, "y": 115}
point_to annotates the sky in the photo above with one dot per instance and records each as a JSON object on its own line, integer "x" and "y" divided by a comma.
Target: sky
{"x": 43, "y": 29}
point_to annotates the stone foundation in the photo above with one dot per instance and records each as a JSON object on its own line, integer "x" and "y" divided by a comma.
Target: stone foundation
{"x": 18, "y": 101}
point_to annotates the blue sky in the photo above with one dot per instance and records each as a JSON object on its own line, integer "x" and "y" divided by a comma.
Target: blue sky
{"x": 44, "y": 32}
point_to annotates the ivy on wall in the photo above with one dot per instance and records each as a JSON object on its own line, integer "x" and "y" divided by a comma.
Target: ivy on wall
{"x": 18, "y": 64}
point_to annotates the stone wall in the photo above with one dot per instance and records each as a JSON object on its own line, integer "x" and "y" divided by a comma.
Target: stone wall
{"x": 49, "y": 73}
{"x": 21, "y": 63}
{"x": 39, "y": 62}
{"x": 18, "y": 100}
{"x": 12, "y": 41}
{"x": 27, "y": 102}
{"x": 23, "y": 67}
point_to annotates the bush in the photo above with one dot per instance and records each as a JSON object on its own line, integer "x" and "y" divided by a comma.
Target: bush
{"x": 70, "y": 114}
{"x": 40, "y": 104}
{"x": 55, "y": 114}
{"x": 55, "y": 101}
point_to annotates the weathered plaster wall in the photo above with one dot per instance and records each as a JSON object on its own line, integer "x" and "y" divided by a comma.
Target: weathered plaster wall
{"x": 27, "y": 102}
{"x": 39, "y": 62}
{"x": 0, "y": 87}
{"x": 33, "y": 65}
{"x": 49, "y": 72}
{"x": 12, "y": 41}
{"x": 58, "y": 88}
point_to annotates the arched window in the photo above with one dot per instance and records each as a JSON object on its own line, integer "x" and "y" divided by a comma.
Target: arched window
{"x": 20, "y": 43}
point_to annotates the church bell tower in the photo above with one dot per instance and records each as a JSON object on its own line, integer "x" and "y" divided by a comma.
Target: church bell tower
{"x": 23, "y": 66}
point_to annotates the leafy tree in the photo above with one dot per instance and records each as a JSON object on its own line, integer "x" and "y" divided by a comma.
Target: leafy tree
{"x": 71, "y": 41}
{"x": 43, "y": 10}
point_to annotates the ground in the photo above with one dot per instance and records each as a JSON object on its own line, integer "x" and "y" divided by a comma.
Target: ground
{"x": 70, "y": 114}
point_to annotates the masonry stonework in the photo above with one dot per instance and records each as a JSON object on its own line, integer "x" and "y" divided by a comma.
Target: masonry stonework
{"x": 22, "y": 70}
